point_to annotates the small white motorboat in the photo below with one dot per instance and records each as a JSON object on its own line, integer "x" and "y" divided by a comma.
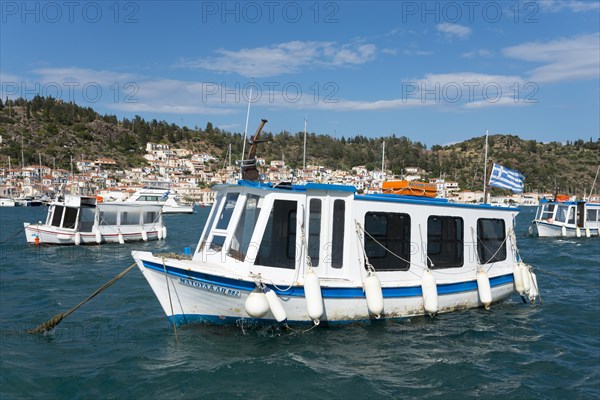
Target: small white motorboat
{"x": 563, "y": 218}
{"x": 85, "y": 220}
{"x": 306, "y": 254}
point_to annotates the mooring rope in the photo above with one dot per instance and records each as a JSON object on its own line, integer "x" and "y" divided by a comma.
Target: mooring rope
{"x": 170, "y": 301}
{"x": 54, "y": 321}
{"x": 12, "y": 236}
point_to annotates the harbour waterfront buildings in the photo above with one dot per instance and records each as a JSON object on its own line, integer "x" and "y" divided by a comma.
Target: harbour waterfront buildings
{"x": 191, "y": 176}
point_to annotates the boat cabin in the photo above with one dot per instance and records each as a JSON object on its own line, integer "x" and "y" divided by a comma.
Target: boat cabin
{"x": 264, "y": 228}
{"x": 82, "y": 213}
{"x": 575, "y": 214}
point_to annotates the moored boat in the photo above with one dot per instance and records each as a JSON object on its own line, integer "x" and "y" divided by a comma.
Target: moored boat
{"x": 160, "y": 193}
{"x": 84, "y": 220}
{"x": 7, "y": 202}
{"x": 563, "y": 218}
{"x": 315, "y": 253}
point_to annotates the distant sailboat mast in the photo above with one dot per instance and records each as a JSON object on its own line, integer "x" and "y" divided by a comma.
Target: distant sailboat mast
{"x": 304, "y": 159}
{"x": 9, "y": 179}
{"x": 383, "y": 162}
{"x": 591, "y": 189}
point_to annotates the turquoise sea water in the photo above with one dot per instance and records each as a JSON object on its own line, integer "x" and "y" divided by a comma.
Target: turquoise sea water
{"x": 121, "y": 346}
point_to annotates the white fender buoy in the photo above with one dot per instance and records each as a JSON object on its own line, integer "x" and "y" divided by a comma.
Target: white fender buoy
{"x": 526, "y": 279}
{"x": 518, "y": 278}
{"x": 98, "y": 236}
{"x": 313, "y": 296}
{"x": 430, "y": 295}
{"x": 577, "y": 232}
{"x": 275, "y": 305}
{"x": 164, "y": 232}
{"x": 159, "y": 233}
{"x": 374, "y": 295}
{"x": 533, "y": 293}
{"x": 484, "y": 289}
{"x": 121, "y": 239}
{"x": 77, "y": 238}
{"x": 257, "y": 305}
{"x": 144, "y": 235}
{"x": 587, "y": 232}
{"x": 563, "y": 231}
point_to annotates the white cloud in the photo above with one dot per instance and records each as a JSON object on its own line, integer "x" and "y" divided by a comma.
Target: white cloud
{"x": 284, "y": 58}
{"x": 570, "y": 5}
{"x": 417, "y": 52}
{"x": 454, "y": 30}
{"x": 82, "y": 76}
{"x": 564, "y": 59}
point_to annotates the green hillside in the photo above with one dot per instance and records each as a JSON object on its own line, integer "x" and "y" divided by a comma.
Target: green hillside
{"x": 59, "y": 131}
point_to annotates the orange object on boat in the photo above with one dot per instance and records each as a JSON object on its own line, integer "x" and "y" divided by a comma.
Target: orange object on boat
{"x": 561, "y": 198}
{"x": 99, "y": 199}
{"x": 409, "y": 188}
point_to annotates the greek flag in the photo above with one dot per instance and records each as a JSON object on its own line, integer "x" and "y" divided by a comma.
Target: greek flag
{"x": 506, "y": 178}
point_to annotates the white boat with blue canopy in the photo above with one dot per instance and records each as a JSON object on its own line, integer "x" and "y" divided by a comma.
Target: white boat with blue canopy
{"x": 319, "y": 253}
{"x": 563, "y": 218}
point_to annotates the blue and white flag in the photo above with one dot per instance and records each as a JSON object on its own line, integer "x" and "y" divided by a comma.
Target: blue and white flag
{"x": 506, "y": 178}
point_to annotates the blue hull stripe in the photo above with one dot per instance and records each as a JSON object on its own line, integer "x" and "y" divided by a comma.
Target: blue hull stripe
{"x": 331, "y": 293}
{"x": 185, "y": 319}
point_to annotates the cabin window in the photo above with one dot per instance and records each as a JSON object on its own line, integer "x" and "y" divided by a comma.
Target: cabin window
{"x": 87, "y": 219}
{"x": 70, "y": 218}
{"x": 108, "y": 217}
{"x": 278, "y": 245}
{"x": 592, "y": 215}
{"x": 150, "y": 217}
{"x": 547, "y": 211}
{"x": 217, "y": 243}
{"x": 571, "y": 218}
{"x": 130, "y": 218}
{"x": 148, "y": 198}
{"x": 57, "y": 215}
{"x": 314, "y": 230}
{"x": 561, "y": 213}
{"x": 491, "y": 245}
{"x": 445, "y": 247}
{"x": 387, "y": 241}
{"x": 337, "y": 235}
{"x": 227, "y": 211}
{"x": 245, "y": 228}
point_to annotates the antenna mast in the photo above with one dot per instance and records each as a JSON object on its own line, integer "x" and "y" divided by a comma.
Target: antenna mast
{"x": 247, "y": 117}
{"x": 485, "y": 169}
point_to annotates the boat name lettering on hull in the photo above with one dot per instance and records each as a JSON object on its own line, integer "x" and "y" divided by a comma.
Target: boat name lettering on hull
{"x": 210, "y": 288}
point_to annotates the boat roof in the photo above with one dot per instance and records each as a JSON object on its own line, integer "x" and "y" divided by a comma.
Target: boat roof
{"x": 381, "y": 197}
{"x": 572, "y": 203}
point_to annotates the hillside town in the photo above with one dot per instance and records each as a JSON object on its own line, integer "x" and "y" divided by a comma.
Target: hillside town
{"x": 191, "y": 175}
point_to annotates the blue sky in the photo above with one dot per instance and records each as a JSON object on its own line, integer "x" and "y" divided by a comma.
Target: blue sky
{"x": 436, "y": 72}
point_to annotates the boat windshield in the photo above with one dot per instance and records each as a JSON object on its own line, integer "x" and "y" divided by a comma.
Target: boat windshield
{"x": 565, "y": 213}
{"x": 219, "y": 232}
{"x": 546, "y": 211}
{"x": 245, "y": 227}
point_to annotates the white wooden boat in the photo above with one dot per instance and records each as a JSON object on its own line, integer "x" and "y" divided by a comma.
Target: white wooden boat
{"x": 563, "y": 218}
{"x": 7, "y": 202}
{"x": 313, "y": 253}
{"x": 84, "y": 220}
